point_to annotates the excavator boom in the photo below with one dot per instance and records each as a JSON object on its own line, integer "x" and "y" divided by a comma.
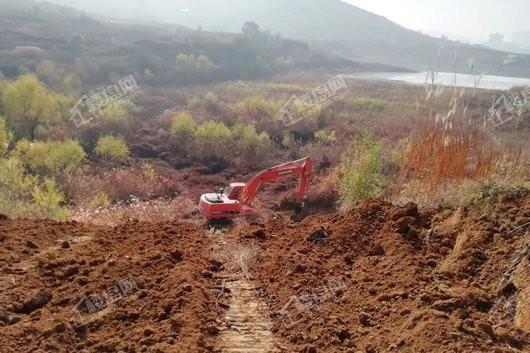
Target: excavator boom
{"x": 301, "y": 168}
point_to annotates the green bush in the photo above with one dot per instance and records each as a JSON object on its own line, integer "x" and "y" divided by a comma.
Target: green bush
{"x": 213, "y": 131}
{"x": 101, "y": 200}
{"x": 23, "y": 195}
{"x": 325, "y": 138}
{"x": 193, "y": 68}
{"x": 288, "y": 139}
{"x": 183, "y": 125}
{"x": 57, "y": 160}
{"x": 212, "y": 138}
{"x": 27, "y": 103}
{"x": 112, "y": 148}
{"x": 251, "y": 147}
{"x": 360, "y": 174}
{"x": 5, "y": 136}
{"x": 260, "y": 109}
{"x": 116, "y": 111}
{"x": 367, "y": 104}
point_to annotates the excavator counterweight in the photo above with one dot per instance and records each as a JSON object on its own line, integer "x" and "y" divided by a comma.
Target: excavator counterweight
{"x": 236, "y": 199}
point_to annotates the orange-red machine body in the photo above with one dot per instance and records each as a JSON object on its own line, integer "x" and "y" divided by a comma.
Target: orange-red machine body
{"x": 236, "y": 200}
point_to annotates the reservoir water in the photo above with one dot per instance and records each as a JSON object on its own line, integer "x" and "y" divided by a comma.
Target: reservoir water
{"x": 447, "y": 79}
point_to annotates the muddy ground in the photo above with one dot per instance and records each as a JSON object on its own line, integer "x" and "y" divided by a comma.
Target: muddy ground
{"x": 380, "y": 278}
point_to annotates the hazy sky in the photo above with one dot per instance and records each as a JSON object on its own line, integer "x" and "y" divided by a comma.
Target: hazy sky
{"x": 474, "y": 19}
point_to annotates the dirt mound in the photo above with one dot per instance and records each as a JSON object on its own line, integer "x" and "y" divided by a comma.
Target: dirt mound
{"x": 380, "y": 278}
{"x": 137, "y": 287}
{"x": 385, "y": 278}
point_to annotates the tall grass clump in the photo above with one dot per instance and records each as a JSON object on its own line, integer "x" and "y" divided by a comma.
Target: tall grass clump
{"x": 360, "y": 172}
{"x": 450, "y": 166}
{"x": 436, "y": 155}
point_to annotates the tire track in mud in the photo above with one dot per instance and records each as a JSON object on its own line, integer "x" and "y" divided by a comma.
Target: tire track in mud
{"x": 247, "y": 326}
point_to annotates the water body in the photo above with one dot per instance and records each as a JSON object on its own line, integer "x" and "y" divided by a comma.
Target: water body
{"x": 447, "y": 79}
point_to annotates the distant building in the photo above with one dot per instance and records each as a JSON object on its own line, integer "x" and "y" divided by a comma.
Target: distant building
{"x": 496, "y": 40}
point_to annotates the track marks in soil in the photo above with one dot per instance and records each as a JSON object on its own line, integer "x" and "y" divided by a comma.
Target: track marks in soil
{"x": 248, "y": 328}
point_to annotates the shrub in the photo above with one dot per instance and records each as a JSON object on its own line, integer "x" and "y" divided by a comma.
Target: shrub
{"x": 193, "y": 68}
{"x": 116, "y": 111}
{"x": 112, "y": 148}
{"x": 251, "y": 147}
{"x": 288, "y": 139}
{"x": 259, "y": 109}
{"x": 325, "y": 138}
{"x": 27, "y": 103}
{"x": 437, "y": 155}
{"x": 5, "y": 137}
{"x": 449, "y": 166}
{"x": 58, "y": 160}
{"x": 23, "y": 195}
{"x": 368, "y": 104}
{"x": 101, "y": 200}
{"x": 148, "y": 170}
{"x": 360, "y": 173}
{"x": 209, "y": 103}
{"x": 122, "y": 184}
{"x": 183, "y": 126}
{"x": 47, "y": 201}
{"x": 212, "y": 138}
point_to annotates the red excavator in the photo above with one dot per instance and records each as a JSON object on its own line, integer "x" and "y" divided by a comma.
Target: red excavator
{"x": 236, "y": 199}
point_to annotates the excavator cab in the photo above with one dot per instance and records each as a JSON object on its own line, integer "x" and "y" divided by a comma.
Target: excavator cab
{"x": 236, "y": 199}
{"x": 224, "y": 204}
{"x": 233, "y": 190}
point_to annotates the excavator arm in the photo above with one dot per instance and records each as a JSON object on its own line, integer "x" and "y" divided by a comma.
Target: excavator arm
{"x": 301, "y": 168}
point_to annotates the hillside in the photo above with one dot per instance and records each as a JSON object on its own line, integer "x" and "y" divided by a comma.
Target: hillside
{"x": 97, "y": 50}
{"x": 367, "y": 37}
{"x": 332, "y": 24}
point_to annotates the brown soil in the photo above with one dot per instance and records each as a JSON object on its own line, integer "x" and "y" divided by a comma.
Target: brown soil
{"x": 384, "y": 278}
{"x": 47, "y": 267}
{"x": 380, "y": 278}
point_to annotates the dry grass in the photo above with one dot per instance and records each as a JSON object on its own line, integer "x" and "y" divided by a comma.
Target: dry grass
{"x": 450, "y": 165}
{"x": 436, "y": 155}
{"x": 143, "y": 211}
{"x": 239, "y": 258}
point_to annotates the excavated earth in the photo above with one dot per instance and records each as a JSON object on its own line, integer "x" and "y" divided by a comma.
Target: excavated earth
{"x": 383, "y": 278}
{"x": 47, "y": 268}
{"x": 380, "y": 278}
